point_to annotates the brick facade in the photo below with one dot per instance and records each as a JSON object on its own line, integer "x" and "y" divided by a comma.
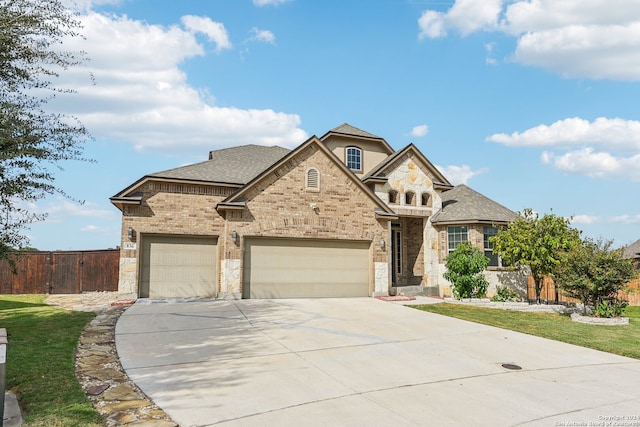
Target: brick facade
{"x": 278, "y": 203}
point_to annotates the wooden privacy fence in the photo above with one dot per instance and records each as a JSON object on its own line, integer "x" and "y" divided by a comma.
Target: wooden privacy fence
{"x": 548, "y": 293}
{"x": 61, "y": 272}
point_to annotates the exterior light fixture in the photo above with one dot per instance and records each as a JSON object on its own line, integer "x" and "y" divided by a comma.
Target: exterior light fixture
{"x": 234, "y": 236}
{"x": 131, "y": 234}
{"x": 382, "y": 244}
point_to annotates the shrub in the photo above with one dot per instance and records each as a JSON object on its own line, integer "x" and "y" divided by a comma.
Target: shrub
{"x": 464, "y": 270}
{"x": 594, "y": 273}
{"x": 504, "y": 293}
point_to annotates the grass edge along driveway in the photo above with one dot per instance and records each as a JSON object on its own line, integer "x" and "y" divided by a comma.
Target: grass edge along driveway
{"x": 41, "y": 361}
{"x": 622, "y": 340}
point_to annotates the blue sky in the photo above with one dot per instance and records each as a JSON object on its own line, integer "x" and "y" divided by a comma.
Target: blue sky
{"x": 532, "y": 103}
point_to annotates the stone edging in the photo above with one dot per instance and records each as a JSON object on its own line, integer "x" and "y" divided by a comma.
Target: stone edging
{"x": 104, "y": 381}
{"x": 511, "y": 305}
{"x": 610, "y": 321}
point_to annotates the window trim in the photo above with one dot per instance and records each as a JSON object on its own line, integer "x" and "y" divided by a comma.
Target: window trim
{"x": 487, "y": 246}
{"x": 360, "y": 157}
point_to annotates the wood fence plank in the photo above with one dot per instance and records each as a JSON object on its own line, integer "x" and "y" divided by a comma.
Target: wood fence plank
{"x": 61, "y": 272}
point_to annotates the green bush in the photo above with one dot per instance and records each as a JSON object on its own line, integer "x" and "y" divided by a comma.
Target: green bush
{"x": 610, "y": 308}
{"x": 464, "y": 270}
{"x": 504, "y": 293}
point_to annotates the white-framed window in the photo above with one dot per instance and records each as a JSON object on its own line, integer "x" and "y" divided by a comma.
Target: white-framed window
{"x": 488, "y": 246}
{"x": 456, "y": 235}
{"x": 312, "y": 181}
{"x": 354, "y": 158}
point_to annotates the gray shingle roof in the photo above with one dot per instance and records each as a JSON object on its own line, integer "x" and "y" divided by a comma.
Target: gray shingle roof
{"x": 462, "y": 204}
{"x": 632, "y": 251}
{"x": 347, "y": 129}
{"x": 236, "y": 165}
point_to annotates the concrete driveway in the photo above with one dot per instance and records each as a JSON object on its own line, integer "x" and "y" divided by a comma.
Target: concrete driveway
{"x": 362, "y": 362}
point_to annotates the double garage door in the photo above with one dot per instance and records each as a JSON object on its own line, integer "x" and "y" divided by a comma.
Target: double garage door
{"x": 185, "y": 267}
{"x": 303, "y": 268}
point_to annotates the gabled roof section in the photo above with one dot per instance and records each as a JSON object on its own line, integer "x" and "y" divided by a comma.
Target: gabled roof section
{"x": 238, "y": 196}
{"x": 347, "y": 130}
{"x": 632, "y": 251}
{"x": 231, "y": 167}
{"x": 378, "y": 172}
{"x": 464, "y": 205}
{"x": 236, "y": 165}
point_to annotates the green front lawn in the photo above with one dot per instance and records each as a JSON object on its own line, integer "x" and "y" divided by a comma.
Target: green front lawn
{"x": 40, "y": 361}
{"x": 622, "y": 340}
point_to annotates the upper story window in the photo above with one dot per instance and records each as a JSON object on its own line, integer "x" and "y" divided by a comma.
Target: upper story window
{"x": 456, "y": 235}
{"x": 425, "y": 199}
{"x": 393, "y": 196}
{"x": 488, "y": 246}
{"x": 354, "y": 158}
{"x": 313, "y": 179}
{"x": 409, "y": 198}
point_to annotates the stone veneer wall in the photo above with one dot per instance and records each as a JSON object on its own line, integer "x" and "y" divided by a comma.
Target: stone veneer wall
{"x": 405, "y": 175}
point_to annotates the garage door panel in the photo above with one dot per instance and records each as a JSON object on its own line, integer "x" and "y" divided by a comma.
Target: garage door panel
{"x": 286, "y": 268}
{"x": 178, "y": 267}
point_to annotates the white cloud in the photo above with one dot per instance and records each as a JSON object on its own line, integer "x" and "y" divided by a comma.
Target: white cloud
{"x": 602, "y": 148}
{"x": 265, "y": 36}
{"x": 89, "y": 228}
{"x": 419, "y": 131}
{"x": 214, "y": 31}
{"x": 466, "y": 16}
{"x": 60, "y": 209}
{"x": 142, "y": 97}
{"x": 459, "y": 174}
{"x": 598, "y": 164}
{"x": 594, "y": 38}
{"x": 627, "y": 219}
{"x": 585, "y": 219}
{"x": 269, "y": 2}
{"x": 616, "y": 133}
{"x": 431, "y": 25}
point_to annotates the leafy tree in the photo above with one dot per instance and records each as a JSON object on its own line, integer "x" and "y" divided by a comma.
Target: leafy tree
{"x": 464, "y": 270}
{"x": 594, "y": 273}
{"x": 32, "y": 139}
{"x": 537, "y": 242}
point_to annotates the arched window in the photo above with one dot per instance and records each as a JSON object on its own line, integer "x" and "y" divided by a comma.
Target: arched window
{"x": 393, "y": 196}
{"x": 425, "y": 199}
{"x": 313, "y": 179}
{"x": 409, "y": 198}
{"x": 354, "y": 158}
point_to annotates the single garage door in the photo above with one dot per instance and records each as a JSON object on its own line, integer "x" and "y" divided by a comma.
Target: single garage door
{"x": 289, "y": 268}
{"x": 178, "y": 267}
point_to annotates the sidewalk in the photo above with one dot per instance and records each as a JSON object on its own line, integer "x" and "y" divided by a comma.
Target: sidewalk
{"x": 12, "y": 415}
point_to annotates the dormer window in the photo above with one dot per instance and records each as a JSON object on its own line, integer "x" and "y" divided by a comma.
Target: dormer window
{"x": 354, "y": 158}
